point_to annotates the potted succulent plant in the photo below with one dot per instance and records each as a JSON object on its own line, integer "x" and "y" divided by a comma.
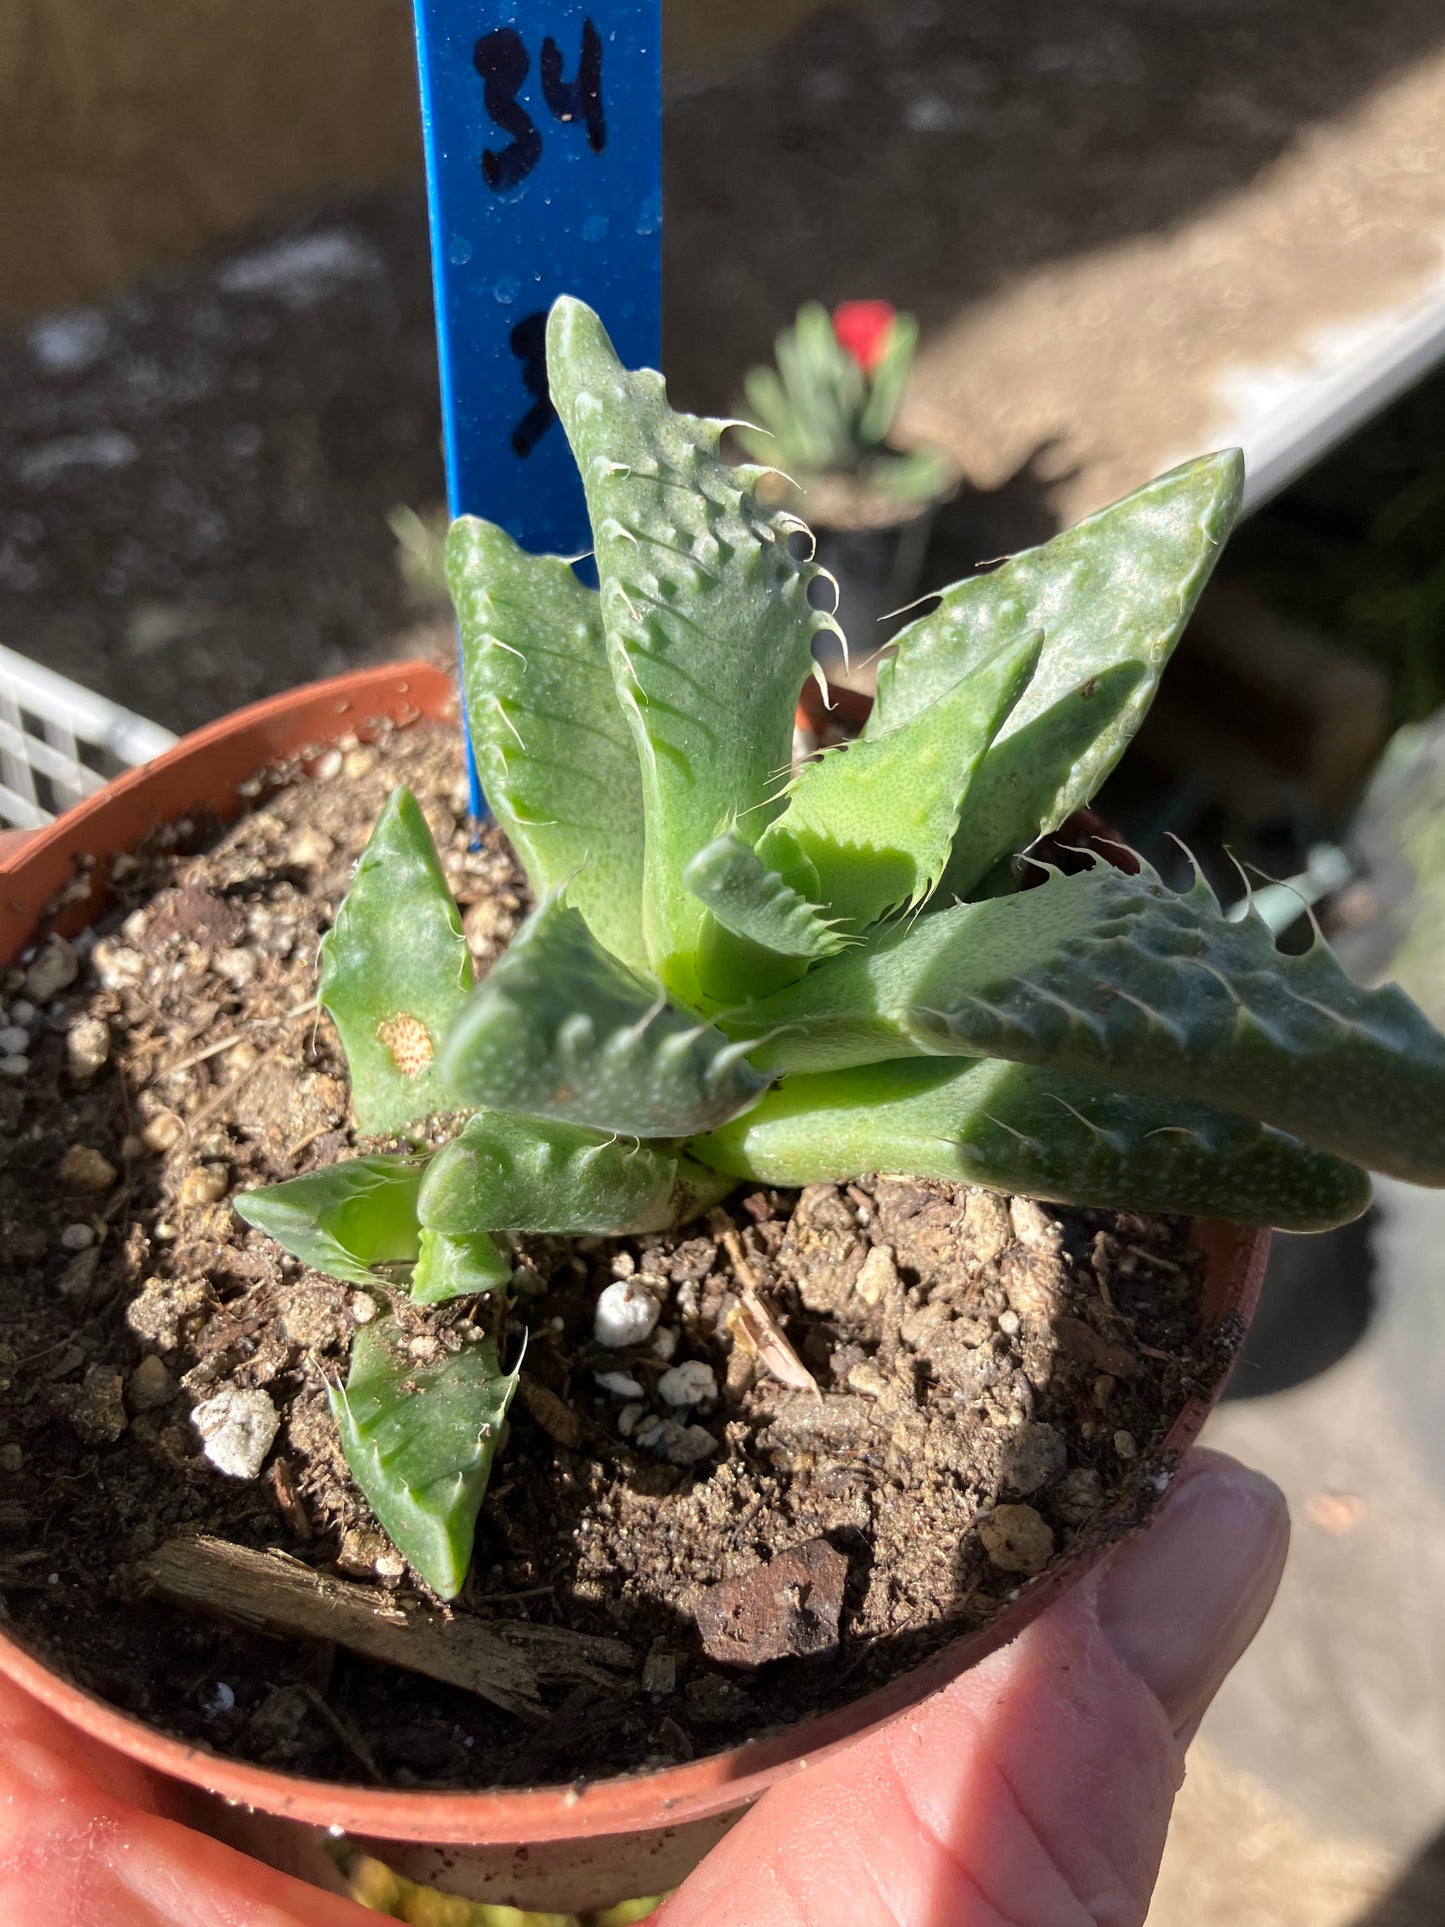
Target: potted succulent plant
{"x": 769, "y": 1430}
{"x": 825, "y": 417}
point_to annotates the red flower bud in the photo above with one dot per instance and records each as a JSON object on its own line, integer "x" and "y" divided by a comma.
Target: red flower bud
{"x": 864, "y": 329}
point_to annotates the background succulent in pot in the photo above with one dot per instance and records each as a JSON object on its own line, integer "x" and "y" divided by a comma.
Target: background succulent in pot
{"x": 830, "y": 405}
{"x": 824, "y": 417}
{"x": 734, "y": 975}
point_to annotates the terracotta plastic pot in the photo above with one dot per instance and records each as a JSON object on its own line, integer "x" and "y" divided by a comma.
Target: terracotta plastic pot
{"x": 849, "y": 708}
{"x": 563, "y": 1848}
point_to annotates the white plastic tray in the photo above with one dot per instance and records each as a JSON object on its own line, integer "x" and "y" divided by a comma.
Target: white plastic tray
{"x": 59, "y": 742}
{"x": 1287, "y": 414}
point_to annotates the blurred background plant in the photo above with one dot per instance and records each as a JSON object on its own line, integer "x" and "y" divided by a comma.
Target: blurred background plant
{"x": 829, "y": 406}
{"x": 421, "y": 539}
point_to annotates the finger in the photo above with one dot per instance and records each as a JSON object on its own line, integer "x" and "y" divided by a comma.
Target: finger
{"x": 1035, "y": 1791}
{"x": 82, "y": 1842}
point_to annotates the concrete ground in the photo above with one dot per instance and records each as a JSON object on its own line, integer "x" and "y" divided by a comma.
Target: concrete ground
{"x": 1316, "y": 1796}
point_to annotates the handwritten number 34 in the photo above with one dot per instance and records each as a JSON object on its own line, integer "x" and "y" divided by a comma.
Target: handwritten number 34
{"x": 502, "y": 60}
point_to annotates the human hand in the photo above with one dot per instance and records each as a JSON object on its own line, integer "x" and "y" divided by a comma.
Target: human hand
{"x": 1033, "y": 1792}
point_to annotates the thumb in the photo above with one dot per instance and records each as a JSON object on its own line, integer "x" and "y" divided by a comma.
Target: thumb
{"x": 1034, "y": 1791}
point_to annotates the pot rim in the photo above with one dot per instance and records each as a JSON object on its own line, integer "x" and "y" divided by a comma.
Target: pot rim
{"x": 204, "y": 770}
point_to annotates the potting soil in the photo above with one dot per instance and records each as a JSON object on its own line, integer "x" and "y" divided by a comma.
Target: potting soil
{"x": 976, "y": 1387}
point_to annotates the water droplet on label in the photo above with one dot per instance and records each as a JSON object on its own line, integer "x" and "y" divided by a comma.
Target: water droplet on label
{"x": 506, "y": 290}
{"x": 459, "y": 250}
{"x": 594, "y": 228}
{"x": 649, "y": 215}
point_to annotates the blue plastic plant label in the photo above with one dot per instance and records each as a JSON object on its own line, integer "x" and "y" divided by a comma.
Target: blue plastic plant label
{"x": 543, "y": 125}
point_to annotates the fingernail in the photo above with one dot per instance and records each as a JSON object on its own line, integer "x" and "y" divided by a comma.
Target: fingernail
{"x": 1181, "y": 1601}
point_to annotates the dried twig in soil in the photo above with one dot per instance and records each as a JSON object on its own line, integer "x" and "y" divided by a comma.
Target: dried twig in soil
{"x": 279, "y": 1594}
{"x": 236, "y": 1037}
{"x": 751, "y": 1321}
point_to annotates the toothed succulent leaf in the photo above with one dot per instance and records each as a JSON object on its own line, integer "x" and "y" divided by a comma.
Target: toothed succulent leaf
{"x": 754, "y": 902}
{"x": 395, "y": 969}
{"x": 1044, "y": 1132}
{"x": 533, "y": 1174}
{"x": 346, "y": 1220}
{"x": 554, "y": 750}
{"x": 875, "y": 820}
{"x": 561, "y": 1029}
{"x": 1111, "y": 597}
{"x": 419, "y": 1439}
{"x": 1155, "y": 990}
{"x": 706, "y": 613}
{"x": 457, "y": 1267}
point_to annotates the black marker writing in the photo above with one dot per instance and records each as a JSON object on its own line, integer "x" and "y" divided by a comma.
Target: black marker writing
{"x": 502, "y": 60}
{"x": 579, "y": 99}
{"x": 504, "y": 63}
{"x": 528, "y": 341}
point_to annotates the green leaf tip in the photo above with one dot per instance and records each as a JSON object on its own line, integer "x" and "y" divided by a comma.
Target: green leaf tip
{"x": 561, "y": 1029}
{"x": 395, "y": 969}
{"x": 1110, "y": 597}
{"x": 457, "y": 1267}
{"x": 420, "y": 1439}
{"x": 754, "y": 902}
{"x": 348, "y": 1220}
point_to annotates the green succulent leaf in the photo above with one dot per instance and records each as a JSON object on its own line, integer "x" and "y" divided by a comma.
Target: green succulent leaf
{"x": 754, "y": 902}
{"x": 812, "y": 405}
{"x": 706, "y": 612}
{"x": 1111, "y": 597}
{"x": 419, "y": 1440}
{"x": 345, "y": 1220}
{"x": 828, "y": 388}
{"x": 534, "y": 1174}
{"x": 460, "y": 1267}
{"x": 875, "y": 820}
{"x": 561, "y": 1029}
{"x": 888, "y": 381}
{"x": 554, "y": 750}
{"x": 395, "y": 969}
{"x": 1050, "y": 1134}
{"x": 1116, "y": 975}
{"x": 767, "y": 402}
{"x": 911, "y": 477}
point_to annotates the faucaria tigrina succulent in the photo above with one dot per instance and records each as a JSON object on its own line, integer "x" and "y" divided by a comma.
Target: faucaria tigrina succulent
{"x": 734, "y": 973}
